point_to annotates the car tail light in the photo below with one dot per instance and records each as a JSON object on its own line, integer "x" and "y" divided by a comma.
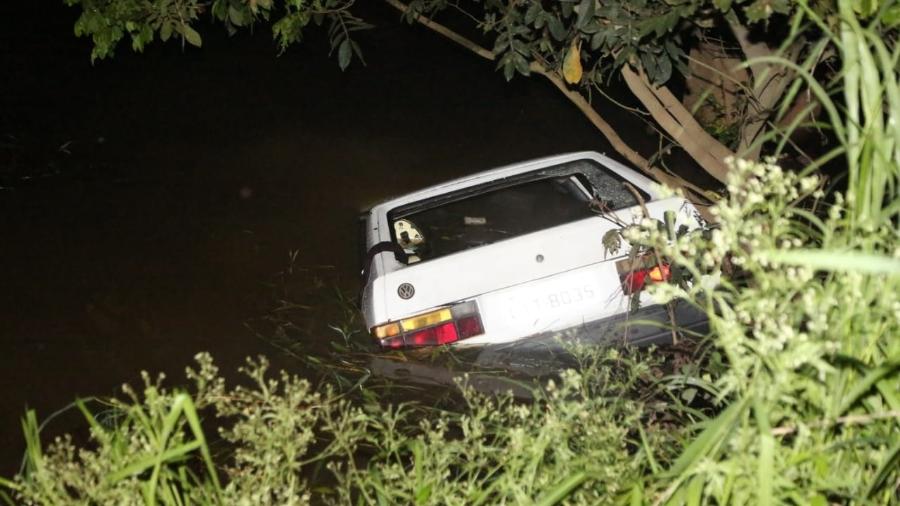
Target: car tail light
{"x": 385, "y": 331}
{"x": 469, "y": 326}
{"x": 443, "y": 326}
{"x": 393, "y": 343}
{"x": 426, "y": 320}
{"x": 635, "y": 274}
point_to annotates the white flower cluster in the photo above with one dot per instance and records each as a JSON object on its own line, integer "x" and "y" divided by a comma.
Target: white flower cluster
{"x": 769, "y": 318}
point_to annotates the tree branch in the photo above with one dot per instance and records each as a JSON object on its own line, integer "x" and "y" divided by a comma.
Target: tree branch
{"x": 679, "y": 123}
{"x": 443, "y": 30}
{"x": 610, "y": 133}
{"x": 769, "y": 83}
{"x": 574, "y": 97}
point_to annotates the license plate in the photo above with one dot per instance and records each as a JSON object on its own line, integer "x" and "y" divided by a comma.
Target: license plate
{"x": 524, "y": 306}
{"x": 549, "y": 304}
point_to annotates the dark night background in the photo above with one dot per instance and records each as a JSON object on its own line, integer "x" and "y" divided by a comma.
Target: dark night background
{"x": 148, "y": 199}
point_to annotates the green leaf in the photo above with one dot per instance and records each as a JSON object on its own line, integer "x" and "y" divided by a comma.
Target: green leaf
{"x": 142, "y": 464}
{"x": 533, "y": 12}
{"x": 650, "y": 65}
{"x": 764, "y": 9}
{"x": 521, "y": 64}
{"x": 664, "y": 69}
{"x": 597, "y": 40}
{"x": 357, "y": 51}
{"x": 865, "y": 8}
{"x": 708, "y": 439}
{"x": 888, "y": 466}
{"x": 694, "y": 495}
{"x": 648, "y": 450}
{"x": 828, "y": 260}
{"x": 8, "y": 484}
{"x": 891, "y": 16}
{"x": 509, "y": 67}
{"x": 818, "y": 500}
{"x": 191, "y": 36}
{"x": 722, "y": 5}
{"x": 423, "y": 494}
{"x": 585, "y": 13}
{"x": 236, "y": 16}
{"x": 766, "y": 453}
{"x": 865, "y": 384}
{"x": 557, "y": 30}
{"x": 561, "y": 490}
{"x": 165, "y": 32}
{"x": 220, "y": 10}
{"x": 345, "y": 52}
{"x": 636, "y": 497}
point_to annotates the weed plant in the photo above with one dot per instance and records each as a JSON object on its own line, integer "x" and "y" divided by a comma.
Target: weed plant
{"x": 801, "y": 289}
{"x": 583, "y": 437}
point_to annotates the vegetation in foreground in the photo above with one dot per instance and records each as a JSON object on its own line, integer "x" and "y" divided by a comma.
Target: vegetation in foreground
{"x": 796, "y": 400}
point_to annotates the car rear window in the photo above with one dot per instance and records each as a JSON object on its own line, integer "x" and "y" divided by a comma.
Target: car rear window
{"x": 505, "y": 209}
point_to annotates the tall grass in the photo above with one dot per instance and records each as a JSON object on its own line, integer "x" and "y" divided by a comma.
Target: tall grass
{"x": 862, "y": 107}
{"x": 584, "y": 438}
{"x": 810, "y": 400}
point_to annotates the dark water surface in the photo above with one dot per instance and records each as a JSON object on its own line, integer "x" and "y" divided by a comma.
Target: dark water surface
{"x": 193, "y": 174}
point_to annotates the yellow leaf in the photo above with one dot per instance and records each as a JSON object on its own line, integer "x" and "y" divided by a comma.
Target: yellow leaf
{"x": 572, "y": 64}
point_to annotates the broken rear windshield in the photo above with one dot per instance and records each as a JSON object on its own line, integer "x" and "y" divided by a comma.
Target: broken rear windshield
{"x": 504, "y": 209}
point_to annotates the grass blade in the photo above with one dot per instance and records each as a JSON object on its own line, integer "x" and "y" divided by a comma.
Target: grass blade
{"x": 142, "y": 465}
{"x": 707, "y": 440}
{"x": 562, "y": 490}
{"x": 866, "y": 384}
{"x": 764, "y": 469}
{"x": 829, "y": 260}
{"x": 193, "y": 419}
{"x": 888, "y": 466}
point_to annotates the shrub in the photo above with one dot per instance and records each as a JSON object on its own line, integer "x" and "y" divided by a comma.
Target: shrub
{"x": 578, "y": 438}
{"x": 808, "y": 324}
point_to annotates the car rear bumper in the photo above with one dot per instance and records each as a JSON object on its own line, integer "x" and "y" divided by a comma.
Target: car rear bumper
{"x": 545, "y": 353}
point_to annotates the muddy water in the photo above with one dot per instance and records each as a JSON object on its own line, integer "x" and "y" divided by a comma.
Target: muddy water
{"x": 190, "y": 176}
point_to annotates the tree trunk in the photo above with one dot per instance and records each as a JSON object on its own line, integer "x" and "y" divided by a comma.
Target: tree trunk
{"x": 769, "y": 84}
{"x": 679, "y": 123}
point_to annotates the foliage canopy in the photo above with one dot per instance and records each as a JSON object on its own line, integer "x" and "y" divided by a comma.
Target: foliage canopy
{"x": 581, "y": 45}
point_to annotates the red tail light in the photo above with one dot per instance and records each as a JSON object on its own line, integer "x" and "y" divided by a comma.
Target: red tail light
{"x": 444, "y": 333}
{"x": 469, "y": 326}
{"x": 443, "y": 326}
{"x": 636, "y": 274}
{"x": 393, "y": 343}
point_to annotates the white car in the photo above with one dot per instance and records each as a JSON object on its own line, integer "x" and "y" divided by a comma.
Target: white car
{"x": 510, "y": 253}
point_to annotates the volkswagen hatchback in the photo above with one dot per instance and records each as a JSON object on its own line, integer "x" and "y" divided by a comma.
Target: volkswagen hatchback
{"x": 510, "y": 253}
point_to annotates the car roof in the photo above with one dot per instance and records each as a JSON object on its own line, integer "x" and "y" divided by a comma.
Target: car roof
{"x": 630, "y": 175}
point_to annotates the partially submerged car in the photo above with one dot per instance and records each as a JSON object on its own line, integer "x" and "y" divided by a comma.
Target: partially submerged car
{"x": 513, "y": 253}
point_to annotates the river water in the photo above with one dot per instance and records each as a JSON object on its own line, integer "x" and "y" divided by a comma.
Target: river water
{"x": 148, "y": 202}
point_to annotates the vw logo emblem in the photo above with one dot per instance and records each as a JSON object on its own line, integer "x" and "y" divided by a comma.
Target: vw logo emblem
{"x": 406, "y": 291}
